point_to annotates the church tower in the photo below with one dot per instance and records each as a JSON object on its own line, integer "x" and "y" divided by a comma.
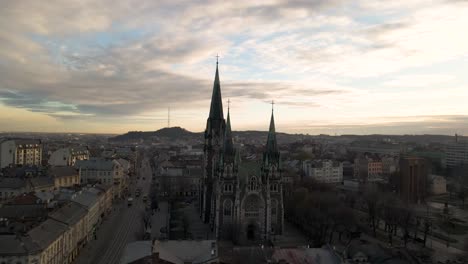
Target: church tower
{"x": 226, "y": 186}
{"x": 214, "y": 138}
{"x": 272, "y": 179}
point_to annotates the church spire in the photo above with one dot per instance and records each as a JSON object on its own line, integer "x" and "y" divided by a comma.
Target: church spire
{"x": 228, "y": 143}
{"x": 272, "y": 146}
{"x": 216, "y": 109}
{"x": 271, "y": 154}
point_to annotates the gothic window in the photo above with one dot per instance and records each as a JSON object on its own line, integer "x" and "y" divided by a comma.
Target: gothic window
{"x": 251, "y": 206}
{"x": 227, "y": 188}
{"x": 274, "y": 187}
{"x": 227, "y": 208}
{"x": 253, "y": 183}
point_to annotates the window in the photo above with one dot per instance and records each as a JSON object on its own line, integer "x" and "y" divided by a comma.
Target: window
{"x": 274, "y": 187}
{"x": 253, "y": 183}
{"x": 227, "y": 187}
{"x": 251, "y": 206}
{"x": 227, "y": 208}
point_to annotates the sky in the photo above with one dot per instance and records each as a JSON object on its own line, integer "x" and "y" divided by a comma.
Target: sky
{"x": 331, "y": 66}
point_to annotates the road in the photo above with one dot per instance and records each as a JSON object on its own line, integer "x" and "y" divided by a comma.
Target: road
{"x": 123, "y": 225}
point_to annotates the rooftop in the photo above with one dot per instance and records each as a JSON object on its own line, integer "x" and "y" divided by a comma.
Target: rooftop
{"x": 47, "y": 232}
{"x": 62, "y": 171}
{"x": 70, "y": 213}
{"x": 183, "y": 251}
{"x": 14, "y": 245}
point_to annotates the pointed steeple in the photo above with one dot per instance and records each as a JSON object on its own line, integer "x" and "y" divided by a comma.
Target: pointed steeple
{"x": 216, "y": 109}
{"x": 228, "y": 143}
{"x": 271, "y": 154}
{"x": 271, "y": 140}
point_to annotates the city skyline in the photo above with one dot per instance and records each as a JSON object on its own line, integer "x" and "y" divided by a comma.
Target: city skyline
{"x": 330, "y": 66}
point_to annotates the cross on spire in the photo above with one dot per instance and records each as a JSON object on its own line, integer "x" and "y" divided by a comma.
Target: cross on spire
{"x": 217, "y": 57}
{"x": 229, "y": 103}
{"x": 272, "y": 105}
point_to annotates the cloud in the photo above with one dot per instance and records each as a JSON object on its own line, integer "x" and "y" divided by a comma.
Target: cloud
{"x": 101, "y": 60}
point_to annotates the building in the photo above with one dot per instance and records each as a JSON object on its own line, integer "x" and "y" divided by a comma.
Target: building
{"x": 326, "y": 171}
{"x": 18, "y": 249}
{"x": 64, "y": 176}
{"x": 105, "y": 195}
{"x": 74, "y": 217}
{"x": 42, "y": 184}
{"x": 437, "y": 184}
{"x": 456, "y": 154}
{"x": 50, "y": 236}
{"x": 12, "y": 187}
{"x": 366, "y": 168}
{"x": 377, "y": 148}
{"x": 90, "y": 201}
{"x": 105, "y": 171}
{"x": 412, "y": 184}
{"x": 178, "y": 178}
{"x": 20, "y": 152}
{"x": 68, "y": 156}
{"x": 242, "y": 201}
{"x": 389, "y": 165}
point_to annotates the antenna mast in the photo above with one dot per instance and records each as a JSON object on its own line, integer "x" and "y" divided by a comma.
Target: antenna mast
{"x": 169, "y": 117}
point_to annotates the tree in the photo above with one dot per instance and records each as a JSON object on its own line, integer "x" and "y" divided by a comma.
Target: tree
{"x": 406, "y": 215}
{"x": 371, "y": 198}
{"x": 462, "y": 196}
{"x": 427, "y": 228}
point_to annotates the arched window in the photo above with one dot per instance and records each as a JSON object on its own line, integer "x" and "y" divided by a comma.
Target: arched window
{"x": 274, "y": 207}
{"x": 253, "y": 183}
{"x": 227, "y": 208}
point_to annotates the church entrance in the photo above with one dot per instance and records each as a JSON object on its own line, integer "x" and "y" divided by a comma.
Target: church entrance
{"x": 251, "y": 232}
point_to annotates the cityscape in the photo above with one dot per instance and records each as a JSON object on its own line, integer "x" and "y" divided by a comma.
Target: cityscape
{"x": 284, "y": 132}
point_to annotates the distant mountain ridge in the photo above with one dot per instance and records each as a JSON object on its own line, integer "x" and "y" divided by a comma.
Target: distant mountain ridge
{"x": 178, "y": 133}
{"x": 167, "y": 132}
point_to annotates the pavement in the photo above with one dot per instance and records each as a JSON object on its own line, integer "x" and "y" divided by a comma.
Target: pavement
{"x": 123, "y": 225}
{"x": 160, "y": 219}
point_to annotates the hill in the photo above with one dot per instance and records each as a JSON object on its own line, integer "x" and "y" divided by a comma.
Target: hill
{"x": 172, "y": 133}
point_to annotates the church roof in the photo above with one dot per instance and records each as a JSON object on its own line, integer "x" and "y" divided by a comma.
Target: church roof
{"x": 216, "y": 109}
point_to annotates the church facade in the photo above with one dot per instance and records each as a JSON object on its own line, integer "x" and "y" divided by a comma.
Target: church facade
{"x": 241, "y": 200}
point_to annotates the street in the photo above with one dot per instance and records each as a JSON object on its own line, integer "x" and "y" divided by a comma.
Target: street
{"x": 123, "y": 225}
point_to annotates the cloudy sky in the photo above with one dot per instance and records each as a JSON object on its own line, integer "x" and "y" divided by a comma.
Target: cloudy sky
{"x": 331, "y": 66}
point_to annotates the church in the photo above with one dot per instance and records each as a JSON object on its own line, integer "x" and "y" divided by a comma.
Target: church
{"x": 241, "y": 200}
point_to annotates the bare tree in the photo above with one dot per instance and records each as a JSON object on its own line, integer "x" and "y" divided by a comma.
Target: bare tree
{"x": 462, "y": 195}
{"x": 372, "y": 200}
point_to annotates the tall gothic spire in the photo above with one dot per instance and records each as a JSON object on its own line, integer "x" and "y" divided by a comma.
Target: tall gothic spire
{"x": 216, "y": 109}
{"x": 271, "y": 140}
{"x": 271, "y": 154}
{"x": 228, "y": 143}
